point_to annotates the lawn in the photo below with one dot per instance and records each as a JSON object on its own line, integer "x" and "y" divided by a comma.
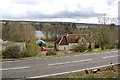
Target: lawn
{"x": 50, "y": 44}
{"x": 97, "y": 50}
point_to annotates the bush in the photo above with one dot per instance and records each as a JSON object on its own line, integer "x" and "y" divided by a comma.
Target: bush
{"x": 80, "y": 48}
{"x": 76, "y": 49}
{"x": 50, "y": 52}
{"x": 15, "y": 52}
{"x": 109, "y": 46}
{"x": 12, "y": 52}
{"x": 32, "y": 50}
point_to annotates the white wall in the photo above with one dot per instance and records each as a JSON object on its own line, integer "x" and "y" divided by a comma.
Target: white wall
{"x": 62, "y": 47}
{"x": 72, "y": 45}
{"x": 22, "y": 45}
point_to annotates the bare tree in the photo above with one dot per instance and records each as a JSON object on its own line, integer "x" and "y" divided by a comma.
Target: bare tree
{"x": 103, "y": 19}
{"x": 15, "y": 31}
{"x": 105, "y": 35}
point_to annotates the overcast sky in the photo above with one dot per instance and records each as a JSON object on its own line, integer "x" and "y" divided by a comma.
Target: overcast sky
{"x": 83, "y": 11}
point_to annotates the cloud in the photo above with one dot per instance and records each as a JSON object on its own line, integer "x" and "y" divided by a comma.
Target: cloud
{"x": 26, "y": 1}
{"x": 50, "y": 9}
{"x": 83, "y": 13}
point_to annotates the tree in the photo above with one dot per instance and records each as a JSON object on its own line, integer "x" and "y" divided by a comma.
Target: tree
{"x": 105, "y": 34}
{"x": 81, "y": 47}
{"x": 14, "y": 31}
{"x": 38, "y": 26}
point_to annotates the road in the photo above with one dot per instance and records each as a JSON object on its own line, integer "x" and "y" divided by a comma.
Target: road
{"x": 43, "y": 67}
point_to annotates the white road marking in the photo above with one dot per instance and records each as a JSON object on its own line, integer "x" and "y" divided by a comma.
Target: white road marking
{"x": 12, "y": 61}
{"x": 110, "y": 51}
{"x": 81, "y": 61}
{"x": 58, "y": 63}
{"x": 111, "y": 56}
{"x": 108, "y": 57}
{"x": 15, "y": 68}
{"x": 53, "y": 64}
{"x": 97, "y": 53}
{"x": 69, "y": 71}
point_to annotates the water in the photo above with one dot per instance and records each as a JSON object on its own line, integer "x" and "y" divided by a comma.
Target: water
{"x": 39, "y": 34}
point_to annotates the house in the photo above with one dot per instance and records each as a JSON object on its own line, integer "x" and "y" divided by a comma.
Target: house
{"x": 70, "y": 41}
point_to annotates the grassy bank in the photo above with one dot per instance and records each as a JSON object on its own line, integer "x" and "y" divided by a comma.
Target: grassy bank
{"x": 58, "y": 54}
{"x": 106, "y": 72}
{"x": 72, "y": 52}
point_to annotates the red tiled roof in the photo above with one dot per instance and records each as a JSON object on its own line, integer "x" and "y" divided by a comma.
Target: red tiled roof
{"x": 69, "y": 38}
{"x": 72, "y": 38}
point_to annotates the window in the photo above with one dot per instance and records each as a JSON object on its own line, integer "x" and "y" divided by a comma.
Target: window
{"x": 82, "y": 40}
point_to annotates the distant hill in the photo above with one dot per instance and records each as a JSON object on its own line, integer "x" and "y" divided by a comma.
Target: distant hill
{"x": 53, "y": 22}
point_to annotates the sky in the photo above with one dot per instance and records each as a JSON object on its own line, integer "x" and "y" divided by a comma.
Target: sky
{"x": 81, "y": 11}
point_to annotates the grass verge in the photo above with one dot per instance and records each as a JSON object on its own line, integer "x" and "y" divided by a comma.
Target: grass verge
{"x": 106, "y": 72}
{"x": 59, "y": 54}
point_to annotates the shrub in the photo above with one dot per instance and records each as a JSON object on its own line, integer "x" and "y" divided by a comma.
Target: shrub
{"x": 15, "y": 52}
{"x": 50, "y": 52}
{"x": 109, "y": 46}
{"x": 32, "y": 50}
{"x": 12, "y": 52}
{"x": 77, "y": 49}
{"x": 80, "y": 48}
